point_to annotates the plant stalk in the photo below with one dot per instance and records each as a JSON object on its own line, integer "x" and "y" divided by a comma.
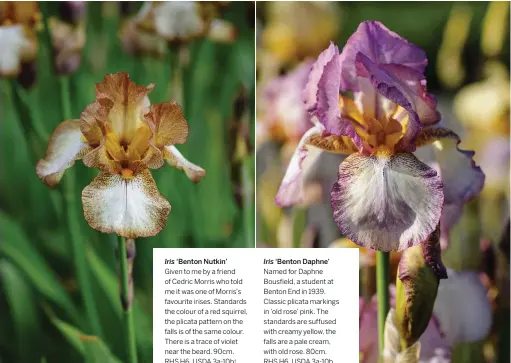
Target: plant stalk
{"x": 382, "y": 290}
{"x": 126, "y": 255}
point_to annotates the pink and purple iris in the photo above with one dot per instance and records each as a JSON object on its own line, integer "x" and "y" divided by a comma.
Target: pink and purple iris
{"x": 385, "y": 198}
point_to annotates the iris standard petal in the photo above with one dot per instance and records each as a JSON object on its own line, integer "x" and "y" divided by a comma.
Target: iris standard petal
{"x": 64, "y": 147}
{"x": 310, "y": 93}
{"x": 291, "y": 190}
{"x": 168, "y": 124}
{"x": 194, "y": 172}
{"x": 131, "y": 208}
{"x": 461, "y": 177}
{"x": 92, "y": 121}
{"x": 413, "y": 84}
{"x": 328, "y": 111}
{"x": 381, "y": 46}
{"x": 394, "y": 90}
{"x": 386, "y": 202}
{"x": 462, "y": 307}
{"x": 129, "y": 104}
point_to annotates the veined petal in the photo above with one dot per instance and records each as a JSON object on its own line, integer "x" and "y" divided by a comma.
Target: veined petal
{"x": 461, "y": 177}
{"x": 394, "y": 90}
{"x": 64, "y": 147}
{"x": 462, "y": 308}
{"x": 291, "y": 190}
{"x": 194, "y": 172}
{"x": 414, "y": 87}
{"x": 92, "y": 121}
{"x": 386, "y": 202}
{"x": 130, "y": 104}
{"x": 100, "y": 159}
{"x": 168, "y": 124}
{"x": 310, "y": 92}
{"x": 131, "y": 208}
{"x": 381, "y": 46}
{"x": 322, "y": 95}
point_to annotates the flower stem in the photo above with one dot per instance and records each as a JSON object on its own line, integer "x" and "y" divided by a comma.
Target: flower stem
{"x": 176, "y": 69}
{"x": 126, "y": 254}
{"x": 382, "y": 289}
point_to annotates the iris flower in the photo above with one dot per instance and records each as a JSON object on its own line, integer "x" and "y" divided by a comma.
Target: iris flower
{"x": 385, "y": 198}
{"x": 18, "y": 42}
{"x": 285, "y": 117}
{"x": 122, "y": 135}
{"x": 68, "y": 42}
{"x": 181, "y": 21}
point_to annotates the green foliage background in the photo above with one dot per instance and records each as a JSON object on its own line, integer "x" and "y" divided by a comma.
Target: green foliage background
{"x": 42, "y": 309}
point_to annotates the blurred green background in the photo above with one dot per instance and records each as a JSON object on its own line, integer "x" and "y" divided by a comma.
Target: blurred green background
{"x": 43, "y": 317}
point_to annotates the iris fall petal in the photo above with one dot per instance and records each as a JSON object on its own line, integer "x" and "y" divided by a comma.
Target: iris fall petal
{"x": 65, "y": 146}
{"x": 131, "y": 208}
{"x": 461, "y": 177}
{"x": 386, "y": 202}
{"x": 291, "y": 190}
{"x": 194, "y": 172}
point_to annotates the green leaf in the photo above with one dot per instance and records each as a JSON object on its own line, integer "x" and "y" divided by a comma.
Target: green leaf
{"x": 17, "y": 247}
{"x": 22, "y": 309}
{"x": 92, "y": 348}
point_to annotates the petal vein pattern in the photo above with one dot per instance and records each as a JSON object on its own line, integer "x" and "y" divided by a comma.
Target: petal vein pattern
{"x": 386, "y": 202}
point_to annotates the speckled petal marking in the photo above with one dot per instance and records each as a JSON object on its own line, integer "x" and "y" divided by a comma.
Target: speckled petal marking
{"x": 131, "y": 208}
{"x": 386, "y": 202}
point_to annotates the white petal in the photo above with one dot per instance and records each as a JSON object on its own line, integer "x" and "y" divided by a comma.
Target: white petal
{"x": 177, "y": 160}
{"x": 462, "y": 307}
{"x": 386, "y": 203}
{"x": 13, "y": 45}
{"x": 178, "y": 19}
{"x": 291, "y": 189}
{"x": 64, "y": 147}
{"x": 131, "y": 208}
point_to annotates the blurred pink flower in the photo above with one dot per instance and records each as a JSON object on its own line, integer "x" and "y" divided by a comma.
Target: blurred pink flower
{"x": 284, "y": 115}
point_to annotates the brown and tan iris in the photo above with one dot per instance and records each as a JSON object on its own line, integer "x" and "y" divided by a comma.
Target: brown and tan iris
{"x": 18, "y": 41}
{"x": 122, "y": 135}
